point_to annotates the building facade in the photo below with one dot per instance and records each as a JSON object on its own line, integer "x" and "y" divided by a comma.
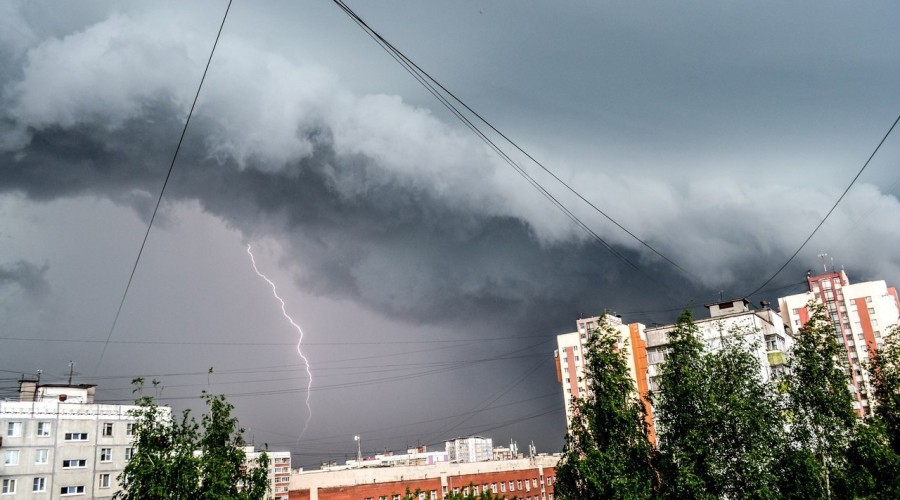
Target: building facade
{"x": 570, "y": 360}
{"x": 469, "y": 449}
{"x": 525, "y": 479}
{"x": 862, "y": 314}
{"x": 57, "y": 443}
{"x": 646, "y": 348}
{"x": 279, "y": 470}
{"x": 763, "y": 329}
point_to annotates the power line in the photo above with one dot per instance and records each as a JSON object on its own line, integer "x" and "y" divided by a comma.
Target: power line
{"x": 163, "y": 190}
{"x": 432, "y": 86}
{"x": 866, "y": 164}
{"x": 400, "y": 54}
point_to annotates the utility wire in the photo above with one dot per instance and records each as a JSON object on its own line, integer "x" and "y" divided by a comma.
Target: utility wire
{"x": 421, "y": 71}
{"x": 866, "y": 164}
{"x": 163, "y": 190}
{"x": 434, "y": 87}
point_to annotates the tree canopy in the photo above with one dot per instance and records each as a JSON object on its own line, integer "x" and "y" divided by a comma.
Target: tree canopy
{"x": 177, "y": 458}
{"x": 724, "y": 431}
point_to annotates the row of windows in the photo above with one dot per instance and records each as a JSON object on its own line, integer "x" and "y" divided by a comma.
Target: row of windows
{"x": 14, "y": 429}
{"x": 42, "y": 456}
{"x": 39, "y": 484}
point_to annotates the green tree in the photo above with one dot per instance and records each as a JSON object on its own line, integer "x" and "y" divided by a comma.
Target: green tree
{"x": 681, "y": 405}
{"x": 873, "y": 469}
{"x": 873, "y": 462}
{"x": 819, "y": 411}
{"x": 742, "y": 420}
{"x": 174, "y": 459}
{"x": 885, "y": 377}
{"x": 607, "y": 452}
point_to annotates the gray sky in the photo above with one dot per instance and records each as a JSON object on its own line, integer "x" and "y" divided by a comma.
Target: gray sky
{"x": 429, "y": 278}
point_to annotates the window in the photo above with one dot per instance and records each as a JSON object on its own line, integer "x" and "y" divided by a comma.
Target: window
{"x": 76, "y": 436}
{"x": 72, "y": 490}
{"x": 13, "y": 429}
{"x": 74, "y": 464}
{"x": 106, "y": 454}
{"x": 104, "y": 480}
{"x": 129, "y": 452}
{"x": 43, "y": 429}
{"x": 39, "y": 484}
{"x": 41, "y": 456}
{"x": 502, "y": 487}
{"x": 9, "y": 487}
{"x": 129, "y": 429}
{"x": 519, "y": 484}
{"x": 11, "y": 457}
{"x": 868, "y": 300}
{"x": 107, "y": 429}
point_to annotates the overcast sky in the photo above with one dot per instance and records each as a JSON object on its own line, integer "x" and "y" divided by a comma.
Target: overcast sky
{"x": 429, "y": 278}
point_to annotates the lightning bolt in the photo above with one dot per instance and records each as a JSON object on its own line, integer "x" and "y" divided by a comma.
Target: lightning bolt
{"x": 299, "y": 341}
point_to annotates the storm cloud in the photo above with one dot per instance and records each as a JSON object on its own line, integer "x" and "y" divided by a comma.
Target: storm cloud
{"x": 375, "y": 197}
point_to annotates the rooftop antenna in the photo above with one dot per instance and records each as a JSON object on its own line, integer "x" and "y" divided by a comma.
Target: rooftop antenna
{"x": 71, "y": 370}
{"x": 824, "y": 262}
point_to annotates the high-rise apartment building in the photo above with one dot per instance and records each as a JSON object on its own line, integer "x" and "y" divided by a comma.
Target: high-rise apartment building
{"x": 572, "y": 349}
{"x": 279, "y": 470}
{"x": 56, "y": 443}
{"x": 862, "y": 314}
{"x": 646, "y": 347}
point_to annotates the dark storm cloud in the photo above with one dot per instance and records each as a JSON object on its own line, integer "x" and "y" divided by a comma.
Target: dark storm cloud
{"x": 394, "y": 247}
{"x": 29, "y": 277}
{"x": 379, "y": 201}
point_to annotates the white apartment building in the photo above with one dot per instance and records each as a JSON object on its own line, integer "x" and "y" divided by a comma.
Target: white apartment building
{"x": 469, "y": 449}
{"x": 279, "y": 470}
{"x": 862, "y": 314}
{"x": 762, "y": 328}
{"x": 57, "y": 443}
{"x": 572, "y": 349}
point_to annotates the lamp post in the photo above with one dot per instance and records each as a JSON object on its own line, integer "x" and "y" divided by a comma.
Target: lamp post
{"x": 358, "y": 451}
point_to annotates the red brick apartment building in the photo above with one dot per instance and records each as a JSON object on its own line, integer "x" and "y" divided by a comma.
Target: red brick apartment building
{"x": 525, "y": 479}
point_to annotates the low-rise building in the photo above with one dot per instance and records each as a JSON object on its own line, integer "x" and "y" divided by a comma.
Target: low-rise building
{"x": 525, "y": 479}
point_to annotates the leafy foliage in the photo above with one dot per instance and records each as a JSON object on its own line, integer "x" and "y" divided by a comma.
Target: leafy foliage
{"x": 682, "y": 411}
{"x": 724, "y": 433}
{"x": 885, "y": 377}
{"x": 174, "y": 459}
{"x": 741, "y": 421}
{"x": 819, "y": 407}
{"x": 607, "y": 453}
